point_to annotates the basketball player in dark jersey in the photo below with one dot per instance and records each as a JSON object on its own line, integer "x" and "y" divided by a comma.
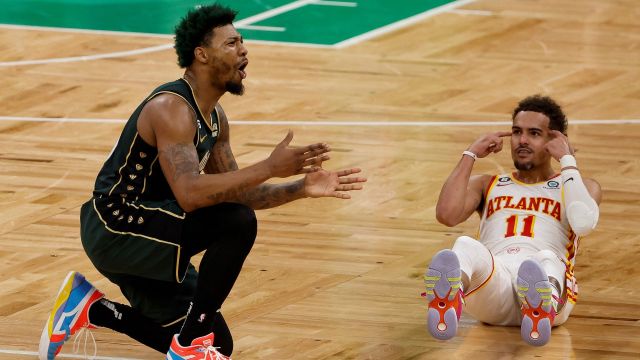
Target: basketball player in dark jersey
{"x": 171, "y": 189}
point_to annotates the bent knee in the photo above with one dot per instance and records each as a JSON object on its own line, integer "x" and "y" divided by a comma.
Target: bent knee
{"x": 240, "y": 217}
{"x": 546, "y": 255}
{"x": 466, "y": 242}
{"x": 240, "y": 225}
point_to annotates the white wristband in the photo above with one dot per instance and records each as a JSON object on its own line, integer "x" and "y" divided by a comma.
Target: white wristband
{"x": 471, "y": 154}
{"x": 567, "y": 161}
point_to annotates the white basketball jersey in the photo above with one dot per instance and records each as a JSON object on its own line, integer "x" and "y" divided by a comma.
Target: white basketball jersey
{"x": 529, "y": 217}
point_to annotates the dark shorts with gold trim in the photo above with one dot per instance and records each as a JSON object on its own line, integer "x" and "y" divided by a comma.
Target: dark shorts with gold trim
{"x": 137, "y": 245}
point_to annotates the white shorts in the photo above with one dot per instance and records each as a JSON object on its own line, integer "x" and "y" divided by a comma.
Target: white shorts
{"x": 490, "y": 280}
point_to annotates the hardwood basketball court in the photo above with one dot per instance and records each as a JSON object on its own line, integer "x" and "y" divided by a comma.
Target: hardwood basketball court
{"x": 332, "y": 279}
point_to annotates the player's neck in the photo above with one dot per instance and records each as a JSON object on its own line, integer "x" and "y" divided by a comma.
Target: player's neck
{"x": 206, "y": 95}
{"x": 535, "y": 175}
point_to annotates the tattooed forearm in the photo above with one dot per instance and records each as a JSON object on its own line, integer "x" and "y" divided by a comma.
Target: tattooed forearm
{"x": 267, "y": 196}
{"x": 229, "y": 160}
{"x": 182, "y": 159}
{"x": 230, "y": 194}
{"x": 221, "y": 160}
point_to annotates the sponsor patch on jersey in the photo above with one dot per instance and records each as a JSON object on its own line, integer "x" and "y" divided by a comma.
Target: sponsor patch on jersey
{"x": 504, "y": 181}
{"x": 552, "y": 184}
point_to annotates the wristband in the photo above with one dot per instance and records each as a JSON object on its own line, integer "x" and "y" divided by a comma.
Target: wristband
{"x": 471, "y": 154}
{"x": 568, "y": 162}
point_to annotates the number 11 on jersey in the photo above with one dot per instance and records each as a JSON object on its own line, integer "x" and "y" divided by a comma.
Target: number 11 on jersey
{"x": 512, "y": 226}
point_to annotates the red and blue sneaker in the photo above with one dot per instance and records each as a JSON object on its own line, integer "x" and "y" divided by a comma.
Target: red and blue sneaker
{"x": 69, "y": 314}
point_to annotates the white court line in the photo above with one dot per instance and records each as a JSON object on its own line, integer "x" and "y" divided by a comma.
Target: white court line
{"x": 400, "y": 24}
{"x": 325, "y": 123}
{"x": 239, "y": 24}
{"x": 273, "y": 12}
{"x": 472, "y": 12}
{"x": 335, "y": 3}
{"x": 261, "y": 28}
{"x": 84, "y": 31}
{"x": 287, "y": 43}
{"x": 70, "y": 356}
{"x": 88, "y": 57}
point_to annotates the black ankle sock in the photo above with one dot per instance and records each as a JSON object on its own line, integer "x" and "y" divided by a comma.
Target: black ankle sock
{"x": 126, "y": 320}
{"x": 198, "y": 323}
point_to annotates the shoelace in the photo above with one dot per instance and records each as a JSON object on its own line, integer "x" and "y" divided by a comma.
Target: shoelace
{"x": 212, "y": 353}
{"x": 84, "y": 334}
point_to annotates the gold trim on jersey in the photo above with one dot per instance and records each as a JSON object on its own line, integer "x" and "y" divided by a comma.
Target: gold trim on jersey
{"x": 492, "y": 185}
{"x": 214, "y": 132}
{"x": 179, "y": 248}
{"x": 515, "y": 180}
{"x": 144, "y": 181}
{"x": 210, "y": 122}
{"x": 175, "y": 321}
{"x": 129, "y": 233}
{"x": 178, "y": 267}
{"x": 176, "y": 94}
{"x": 126, "y": 159}
{"x": 159, "y": 209}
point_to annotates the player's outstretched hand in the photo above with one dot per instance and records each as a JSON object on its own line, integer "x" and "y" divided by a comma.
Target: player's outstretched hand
{"x": 286, "y": 160}
{"x": 325, "y": 183}
{"x": 489, "y": 143}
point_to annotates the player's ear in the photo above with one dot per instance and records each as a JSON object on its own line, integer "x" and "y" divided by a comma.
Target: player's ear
{"x": 200, "y": 54}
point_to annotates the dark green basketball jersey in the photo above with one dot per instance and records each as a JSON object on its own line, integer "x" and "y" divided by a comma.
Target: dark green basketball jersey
{"x": 132, "y": 171}
{"x": 133, "y": 224}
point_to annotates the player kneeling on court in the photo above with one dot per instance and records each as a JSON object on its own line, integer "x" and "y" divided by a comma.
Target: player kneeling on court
{"x": 520, "y": 272}
{"x": 171, "y": 189}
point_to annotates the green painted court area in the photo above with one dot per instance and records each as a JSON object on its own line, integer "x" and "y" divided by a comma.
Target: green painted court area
{"x": 320, "y": 22}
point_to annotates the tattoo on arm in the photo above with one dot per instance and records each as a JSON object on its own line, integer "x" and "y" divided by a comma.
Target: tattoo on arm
{"x": 268, "y": 196}
{"x": 225, "y": 160}
{"x": 221, "y": 160}
{"x": 182, "y": 159}
{"x": 230, "y": 194}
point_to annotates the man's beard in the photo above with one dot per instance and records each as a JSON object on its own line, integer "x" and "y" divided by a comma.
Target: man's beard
{"x": 234, "y": 88}
{"x": 524, "y": 166}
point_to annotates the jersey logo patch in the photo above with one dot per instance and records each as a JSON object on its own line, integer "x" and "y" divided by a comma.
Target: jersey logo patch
{"x": 504, "y": 181}
{"x": 552, "y": 184}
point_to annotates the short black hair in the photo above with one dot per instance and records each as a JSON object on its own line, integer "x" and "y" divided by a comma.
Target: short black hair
{"x": 196, "y": 29}
{"x": 544, "y": 105}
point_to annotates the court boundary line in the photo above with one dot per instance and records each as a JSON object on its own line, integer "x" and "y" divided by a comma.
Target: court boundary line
{"x": 401, "y": 24}
{"x": 110, "y": 55}
{"x": 238, "y": 24}
{"x": 70, "y": 356}
{"x": 381, "y": 123}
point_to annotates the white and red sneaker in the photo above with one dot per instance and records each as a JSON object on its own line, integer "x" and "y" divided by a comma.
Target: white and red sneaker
{"x": 201, "y": 349}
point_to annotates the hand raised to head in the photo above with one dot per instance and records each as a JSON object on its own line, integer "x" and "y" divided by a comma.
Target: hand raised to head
{"x": 558, "y": 145}
{"x": 489, "y": 143}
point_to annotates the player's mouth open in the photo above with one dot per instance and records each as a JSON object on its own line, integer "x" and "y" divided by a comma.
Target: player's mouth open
{"x": 242, "y": 67}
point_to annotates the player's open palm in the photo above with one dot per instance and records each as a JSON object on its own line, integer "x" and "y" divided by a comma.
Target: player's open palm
{"x": 286, "y": 160}
{"x": 324, "y": 183}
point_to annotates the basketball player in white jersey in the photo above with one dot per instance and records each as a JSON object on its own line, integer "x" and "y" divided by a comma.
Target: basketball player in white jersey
{"x": 520, "y": 269}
